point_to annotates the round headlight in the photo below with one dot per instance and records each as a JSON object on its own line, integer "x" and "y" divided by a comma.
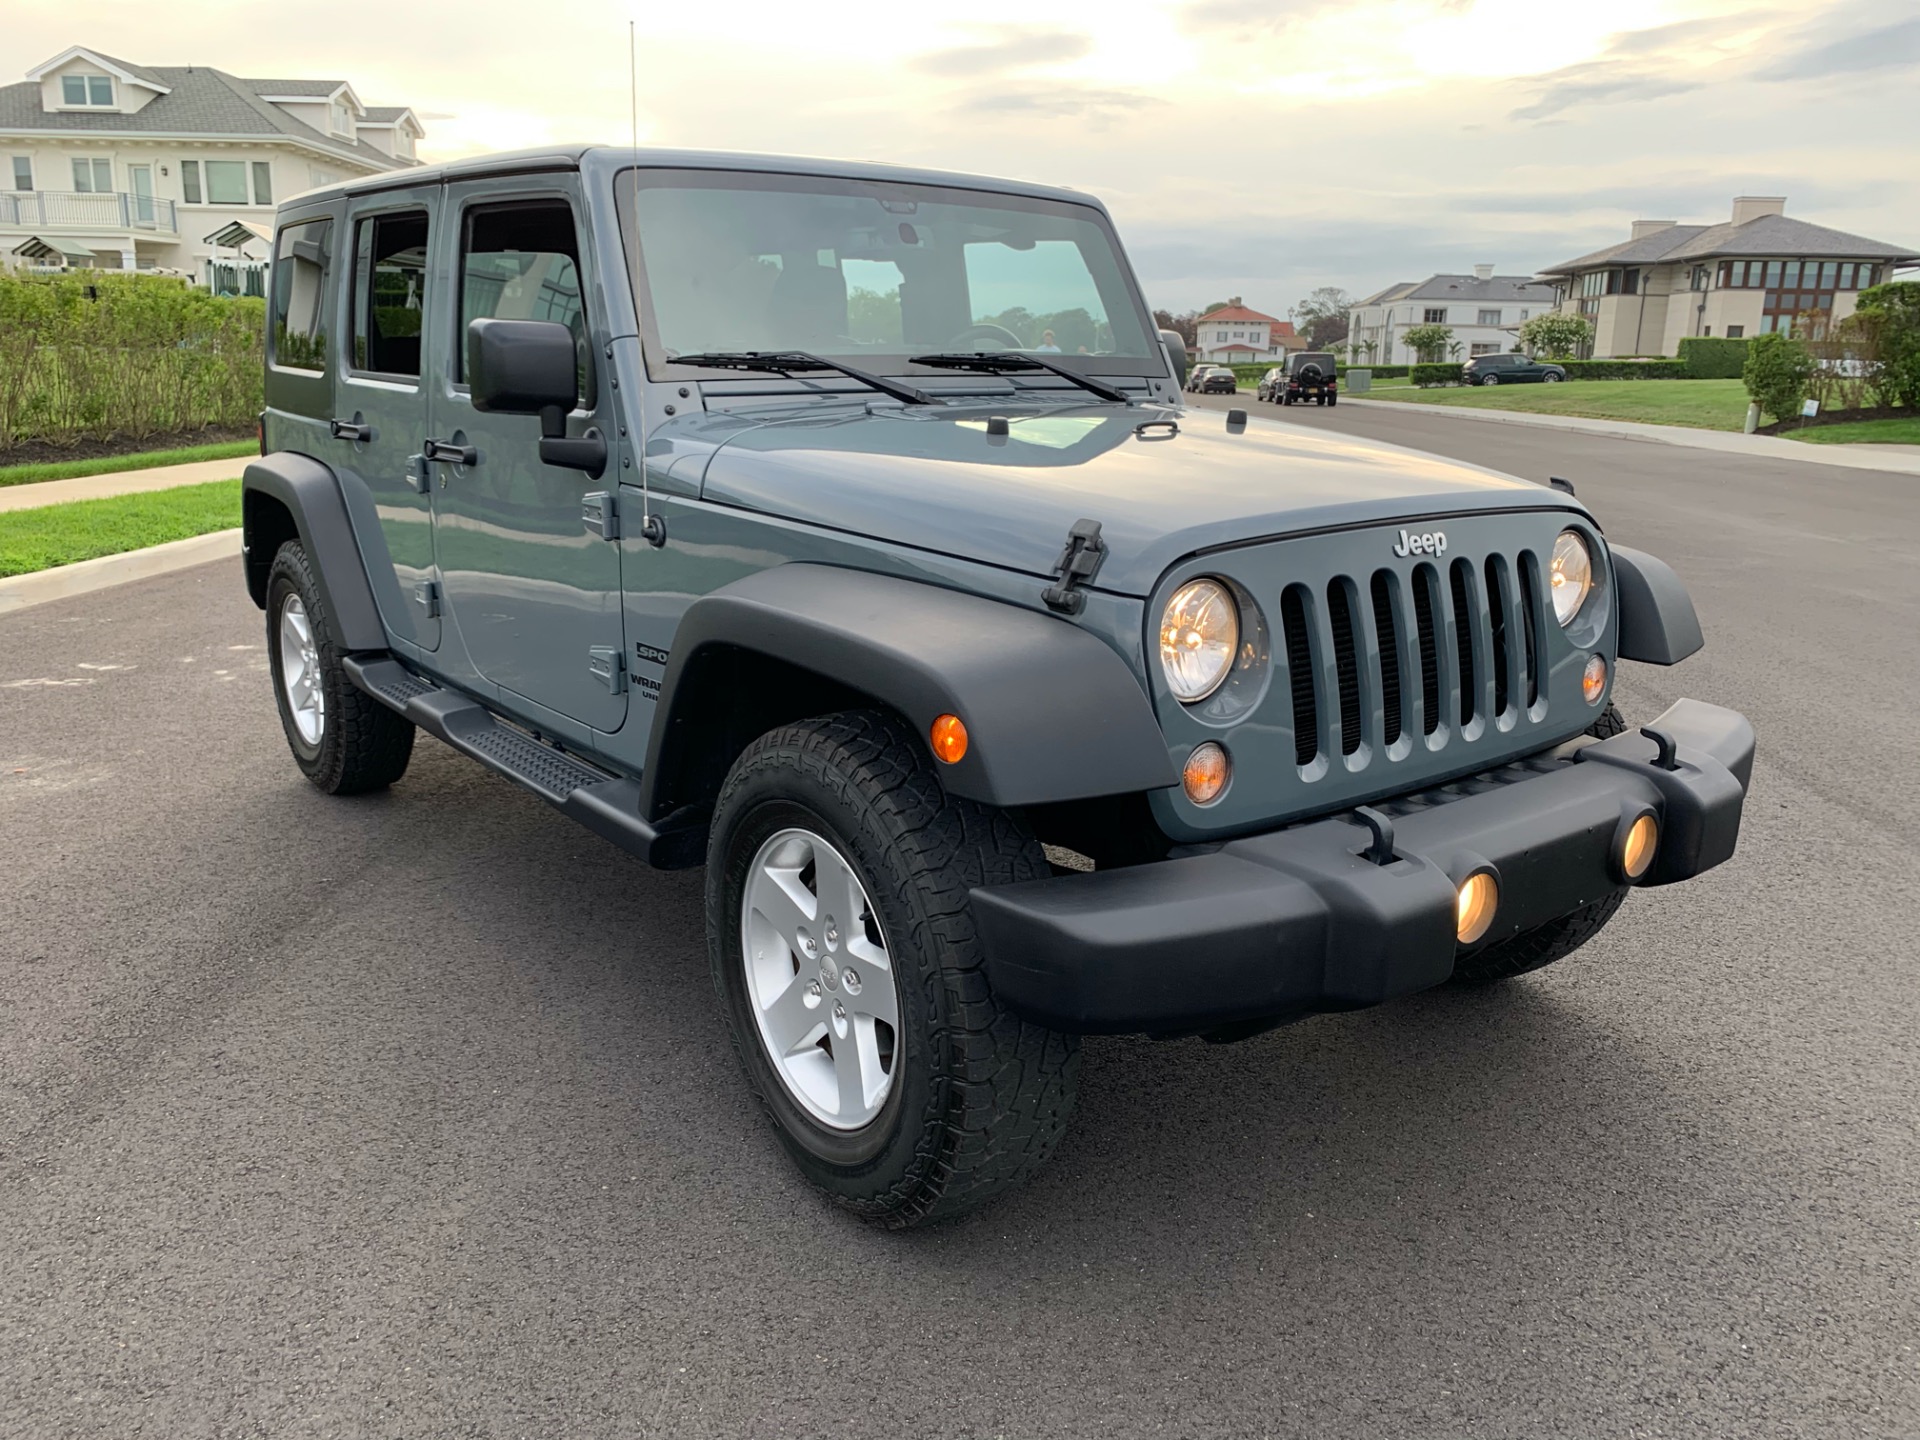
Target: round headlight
{"x": 1572, "y": 575}
{"x": 1199, "y": 634}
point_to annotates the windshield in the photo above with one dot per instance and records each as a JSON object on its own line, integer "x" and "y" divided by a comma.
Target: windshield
{"x": 875, "y": 272}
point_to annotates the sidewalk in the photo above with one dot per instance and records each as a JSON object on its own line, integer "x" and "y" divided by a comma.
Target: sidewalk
{"x": 120, "y": 482}
{"x": 1897, "y": 459}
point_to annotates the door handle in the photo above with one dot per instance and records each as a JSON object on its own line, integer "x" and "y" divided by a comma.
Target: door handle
{"x": 448, "y": 453}
{"x": 350, "y": 430}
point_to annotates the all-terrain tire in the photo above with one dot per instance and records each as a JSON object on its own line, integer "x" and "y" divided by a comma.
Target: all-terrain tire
{"x": 978, "y": 1098}
{"x": 362, "y": 745}
{"x": 1544, "y": 944}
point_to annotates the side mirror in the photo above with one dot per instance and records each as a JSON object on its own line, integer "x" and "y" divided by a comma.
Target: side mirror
{"x": 1176, "y": 349}
{"x": 528, "y": 367}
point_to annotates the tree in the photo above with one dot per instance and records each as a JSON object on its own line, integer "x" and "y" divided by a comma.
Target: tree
{"x": 1887, "y": 319}
{"x": 1184, "y": 324}
{"x": 1776, "y": 374}
{"x": 1322, "y": 316}
{"x": 1429, "y": 342}
{"x": 1557, "y": 336}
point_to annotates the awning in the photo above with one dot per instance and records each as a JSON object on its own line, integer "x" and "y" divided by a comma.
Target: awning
{"x": 34, "y": 248}
{"x": 238, "y": 234}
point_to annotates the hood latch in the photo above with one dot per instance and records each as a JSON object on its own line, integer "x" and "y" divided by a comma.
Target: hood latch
{"x": 1079, "y": 563}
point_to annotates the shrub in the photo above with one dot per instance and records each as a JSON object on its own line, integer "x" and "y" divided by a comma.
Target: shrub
{"x": 1625, "y": 369}
{"x": 1713, "y": 357}
{"x": 1888, "y": 321}
{"x": 1776, "y": 374}
{"x": 1555, "y": 335}
{"x": 1436, "y": 374}
{"x": 131, "y": 355}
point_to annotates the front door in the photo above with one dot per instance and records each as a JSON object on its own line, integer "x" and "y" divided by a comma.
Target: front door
{"x": 534, "y": 592}
{"x": 140, "y": 186}
{"x": 382, "y": 414}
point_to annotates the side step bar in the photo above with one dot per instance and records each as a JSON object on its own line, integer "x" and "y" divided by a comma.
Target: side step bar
{"x": 606, "y": 804}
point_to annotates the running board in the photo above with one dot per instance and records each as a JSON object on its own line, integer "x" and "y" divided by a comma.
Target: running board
{"x": 608, "y": 805}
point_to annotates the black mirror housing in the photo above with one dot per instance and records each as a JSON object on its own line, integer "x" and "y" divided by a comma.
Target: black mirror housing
{"x": 521, "y": 367}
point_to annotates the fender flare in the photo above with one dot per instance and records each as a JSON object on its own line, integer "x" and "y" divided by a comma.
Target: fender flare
{"x": 1658, "y": 624}
{"x": 1052, "y": 712}
{"x": 310, "y": 493}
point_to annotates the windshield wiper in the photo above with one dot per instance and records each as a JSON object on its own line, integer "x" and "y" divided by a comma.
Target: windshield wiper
{"x": 798, "y": 362}
{"x": 1003, "y": 362}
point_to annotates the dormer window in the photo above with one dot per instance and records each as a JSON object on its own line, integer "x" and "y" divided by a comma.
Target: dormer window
{"x": 96, "y": 90}
{"x": 342, "y": 120}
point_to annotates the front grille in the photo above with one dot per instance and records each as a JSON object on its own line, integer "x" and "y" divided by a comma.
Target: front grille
{"x": 1460, "y": 651}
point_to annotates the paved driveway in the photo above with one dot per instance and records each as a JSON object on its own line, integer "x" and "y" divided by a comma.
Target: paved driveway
{"x": 414, "y": 1115}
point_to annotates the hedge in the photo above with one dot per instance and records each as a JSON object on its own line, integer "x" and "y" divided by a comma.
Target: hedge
{"x": 1380, "y": 372}
{"x": 1625, "y": 369}
{"x": 1436, "y": 374}
{"x": 1713, "y": 357}
{"x": 124, "y": 355}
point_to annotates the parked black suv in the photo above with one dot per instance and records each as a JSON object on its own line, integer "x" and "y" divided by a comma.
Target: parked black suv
{"x": 1510, "y": 370}
{"x": 1310, "y": 376}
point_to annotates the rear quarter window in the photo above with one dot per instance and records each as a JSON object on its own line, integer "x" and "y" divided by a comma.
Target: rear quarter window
{"x": 302, "y": 265}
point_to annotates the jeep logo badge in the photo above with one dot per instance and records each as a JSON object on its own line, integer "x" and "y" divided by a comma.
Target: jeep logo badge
{"x": 1434, "y": 542}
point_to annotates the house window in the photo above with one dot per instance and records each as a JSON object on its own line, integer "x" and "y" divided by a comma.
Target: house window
{"x": 23, "y": 173}
{"x": 86, "y": 90}
{"x": 1489, "y": 317}
{"x": 389, "y": 293}
{"x": 1698, "y": 280}
{"x": 1436, "y": 317}
{"x": 342, "y": 122}
{"x": 262, "y": 183}
{"x": 226, "y": 181}
{"x": 1629, "y": 282}
{"x": 190, "y": 181}
{"x": 301, "y": 257}
{"x": 93, "y": 177}
{"x": 1483, "y": 350}
{"x": 1734, "y": 332}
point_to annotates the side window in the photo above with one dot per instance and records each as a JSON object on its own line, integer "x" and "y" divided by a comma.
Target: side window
{"x": 389, "y": 292}
{"x": 302, "y": 255}
{"x": 522, "y": 262}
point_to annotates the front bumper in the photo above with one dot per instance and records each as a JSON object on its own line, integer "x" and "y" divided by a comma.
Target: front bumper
{"x": 1274, "y": 926}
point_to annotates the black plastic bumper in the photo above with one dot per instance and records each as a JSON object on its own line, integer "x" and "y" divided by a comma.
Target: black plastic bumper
{"x": 1300, "y": 920}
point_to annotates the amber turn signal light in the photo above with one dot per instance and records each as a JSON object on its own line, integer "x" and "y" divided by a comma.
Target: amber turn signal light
{"x": 1205, "y": 773}
{"x": 1593, "y": 679}
{"x": 1479, "y": 898}
{"x": 949, "y": 739}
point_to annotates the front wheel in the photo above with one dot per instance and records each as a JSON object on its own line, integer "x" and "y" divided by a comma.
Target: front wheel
{"x": 1550, "y": 378}
{"x": 843, "y": 947}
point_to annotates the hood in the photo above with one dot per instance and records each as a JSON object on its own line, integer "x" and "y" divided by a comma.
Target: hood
{"x": 936, "y": 480}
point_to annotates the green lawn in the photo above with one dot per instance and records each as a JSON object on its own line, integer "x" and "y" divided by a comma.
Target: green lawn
{"x": 51, "y": 535}
{"x": 110, "y": 464}
{"x": 1862, "y": 432}
{"x": 1705, "y": 404}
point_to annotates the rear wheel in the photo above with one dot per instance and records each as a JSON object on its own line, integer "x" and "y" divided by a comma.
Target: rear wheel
{"x": 343, "y": 740}
{"x": 1550, "y": 378}
{"x": 1333, "y": 399}
{"x": 843, "y": 947}
{"x": 1490, "y": 380}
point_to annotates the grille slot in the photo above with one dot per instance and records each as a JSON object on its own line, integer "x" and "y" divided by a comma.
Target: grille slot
{"x": 1463, "y": 627}
{"x": 1530, "y": 613}
{"x": 1346, "y": 665}
{"x": 1306, "y": 714}
{"x": 1423, "y": 611}
{"x": 1385, "y": 632}
{"x": 1498, "y": 608}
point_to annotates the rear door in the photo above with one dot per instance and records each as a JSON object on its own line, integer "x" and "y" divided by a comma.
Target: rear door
{"x": 381, "y": 412}
{"x": 534, "y": 592}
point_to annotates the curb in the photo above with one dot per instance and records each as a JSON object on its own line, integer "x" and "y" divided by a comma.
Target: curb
{"x": 83, "y": 577}
{"x": 1759, "y": 447}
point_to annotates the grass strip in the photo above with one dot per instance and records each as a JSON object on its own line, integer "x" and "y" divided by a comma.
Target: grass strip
{"x": 113, "y": 464}
{"x": 1703, "y": 404}
{"x": 51, "y": 535}
{"x": 1861, "y": 432}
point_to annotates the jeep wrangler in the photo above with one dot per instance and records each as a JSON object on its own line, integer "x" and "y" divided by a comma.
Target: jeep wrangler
{"x": 739, "y": 508}
{"x": 1310, "y": 375}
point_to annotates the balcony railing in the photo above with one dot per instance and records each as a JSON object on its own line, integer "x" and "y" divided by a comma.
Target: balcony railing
{"x": 79, "y": 210}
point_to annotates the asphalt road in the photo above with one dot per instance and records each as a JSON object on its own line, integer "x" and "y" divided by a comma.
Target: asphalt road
{"x": 414, "y": 1115}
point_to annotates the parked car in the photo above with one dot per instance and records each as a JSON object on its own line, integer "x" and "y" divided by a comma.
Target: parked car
{"x": 1004, "y": 699}
{"x": 1511, "y": 370}
{"x": 1271, "y": 384}
{"x": 1311, "y": 375}
{"x": 1213, "y": 380}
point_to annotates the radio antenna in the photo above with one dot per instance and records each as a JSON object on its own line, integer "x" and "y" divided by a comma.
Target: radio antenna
{"x": 652, "y": 530}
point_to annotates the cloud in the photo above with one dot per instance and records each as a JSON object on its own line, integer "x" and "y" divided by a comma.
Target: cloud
{"x": 1681, "y": 34}
{"x": 1057, "y": 100}
{"x": 1599, "y": 83}
{"x": 1017, "y": 50}
{"x": 1885, "y": 47}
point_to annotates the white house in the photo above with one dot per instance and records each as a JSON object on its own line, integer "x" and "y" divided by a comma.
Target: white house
{"x": 113, "y": 165}
{"x": 1760, "y": 270}
{"x": 1233, "y": 334}
{"x": 1482, "y": 309}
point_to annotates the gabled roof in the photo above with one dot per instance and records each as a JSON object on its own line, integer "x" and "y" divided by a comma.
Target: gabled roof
{"x": 1235, "y": 313}
{"x": 124, "y": 70}
{"x": 196, "y": 101}
{"x": 1763, "y": 235}
{"x": 381, "y": 116}
{"x": 1282, "y": 327}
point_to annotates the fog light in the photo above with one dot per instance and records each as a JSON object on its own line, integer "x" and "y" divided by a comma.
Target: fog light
{"x": 949, "y": 738}
{"x": 1479, "y": 898}
{"x": 1636, "y": 851}
{"x": 1205, "y": 773}
{"x": 1593, "y": 680}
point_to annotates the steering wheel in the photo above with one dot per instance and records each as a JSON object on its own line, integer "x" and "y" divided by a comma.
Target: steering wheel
{"x": 987, "y": 331}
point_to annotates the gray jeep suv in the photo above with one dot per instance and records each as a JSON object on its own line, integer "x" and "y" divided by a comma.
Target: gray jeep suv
{"x": 743, "y": 509}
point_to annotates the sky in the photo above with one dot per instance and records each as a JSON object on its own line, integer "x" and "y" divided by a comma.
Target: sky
{"x": 1257, "y": 148}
